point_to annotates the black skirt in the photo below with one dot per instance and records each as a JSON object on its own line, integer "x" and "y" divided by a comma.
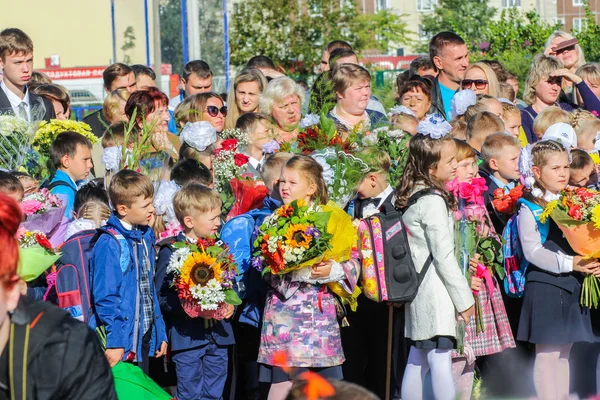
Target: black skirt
{"x": 553, "y": 315}
{"x": 436, "y": 342}
{"x": 271, "y": 374}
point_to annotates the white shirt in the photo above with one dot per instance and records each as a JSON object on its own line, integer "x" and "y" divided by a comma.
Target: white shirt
{"x": 15, "y": 100}
{"x": 254, "y": 162}
{"x": 384, "y": 195}
{"x": 174, "y": 102}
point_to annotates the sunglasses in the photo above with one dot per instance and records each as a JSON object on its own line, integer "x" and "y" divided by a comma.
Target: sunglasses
{"x": 557, "y": 80}
{"x": 213, "y": 111}
{"x": 570, "y": 48}
{"x": 480, "y": 84}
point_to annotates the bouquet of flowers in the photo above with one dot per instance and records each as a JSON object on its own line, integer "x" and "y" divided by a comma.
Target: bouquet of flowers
{"x": 229, "y": 164}
{"x": 204, "y": 276}
{"x": 36, "y": 254}
{"x": 48, "y": 131}
{"x": 577, "y": 214}
{"x": 299, "y": 235}
{"x": 15, "y": 141}
{"x": 395, "y": 143}
{"x": 319, "y": 133}
{"x": 43, "y": 212}
{"x": 507, "y": 203}
{"x": 248, "y": 193}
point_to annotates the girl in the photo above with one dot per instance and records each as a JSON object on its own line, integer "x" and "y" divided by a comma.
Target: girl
{"x": 551, "y": 317}
{"x": 497, "y": 335}
{"x": 91, "y": 203}
{"x": 431, "y": 317}
{"x": 300, "y": 312}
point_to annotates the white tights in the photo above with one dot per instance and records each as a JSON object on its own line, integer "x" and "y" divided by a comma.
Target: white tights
{"x": 551, "y": 371}
{"x": 279, "y": 391}
{"x": 420, "y": 361}
{"x": 463, "y": 374}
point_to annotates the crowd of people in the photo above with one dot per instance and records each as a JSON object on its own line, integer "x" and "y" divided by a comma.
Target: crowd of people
{"x": 152, "y": 175}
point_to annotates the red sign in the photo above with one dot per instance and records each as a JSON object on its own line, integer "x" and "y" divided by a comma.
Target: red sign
{"x": 74, "y": 73}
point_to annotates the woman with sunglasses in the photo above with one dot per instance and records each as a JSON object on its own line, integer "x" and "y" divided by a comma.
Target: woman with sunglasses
{"x": 202, "y": 107}
{"x": 282, "y": 100}
{"x": 565, "y": 47}
{"x": 542, "y": 90}
{"x": 481, "y": 79}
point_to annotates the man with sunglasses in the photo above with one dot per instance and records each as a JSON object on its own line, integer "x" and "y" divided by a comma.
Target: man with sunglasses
{"x": 450, "y": 58}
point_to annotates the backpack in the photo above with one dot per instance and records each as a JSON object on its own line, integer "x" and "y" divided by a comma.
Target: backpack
{"x": 73, "y": 272}
{"x": 388, "y": 271}
{"x": 515, "y": 264}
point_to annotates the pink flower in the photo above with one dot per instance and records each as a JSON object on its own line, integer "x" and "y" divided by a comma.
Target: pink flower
{"x": 471, "y": 193}
{"x": 20, "y": 232}
{"x": 457, "y": 214}
{"x": 474, "y": 212}
{"x": 30, "y": 207}
{"x": 452, "y": 186}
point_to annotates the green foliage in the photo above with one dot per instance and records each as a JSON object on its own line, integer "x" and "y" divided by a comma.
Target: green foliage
{"x": 589, "y": 36}
{"x": 171, "y": 41}
{"x": 128, "y": 44}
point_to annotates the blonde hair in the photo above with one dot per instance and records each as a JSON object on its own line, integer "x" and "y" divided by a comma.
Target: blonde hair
{"x": 590, "y": 72}
{"x": 277, "y": 90}
{"x": 482, "y": 124}
{"x": 94, "y": 210}
{"x": 459, "y": 129}
{"x": 346, "y": 75}
{"x": 194, "y": 199}
{"x": 377, "y": 160}
{"x": 548, "y": 117}
{"x": 587, "y": 131}
{"x": 490, "y": 75}
{"x": 245, "y": 75}
{"x": 127, "y": 185}
{"x": 463, "y": 150}
{"x": 540, "y": 69}
{"x": 110, "y": 108}
{"x": 480, "y": 106}
{"x": 400, "y": 119}
{"x": 313, "y": 172}
{"x": 567, "y": 36}
{"x": 495, "y": 144}
{"x": 507, "y": 92}
{"x": 539, "y": 153}
{"x": 115, "y": 136}
{"x": 510, "y": 109}
{"x": 579, "y": 116}
{"x": 192, "y": 108}
{"x": 271, "y": 168}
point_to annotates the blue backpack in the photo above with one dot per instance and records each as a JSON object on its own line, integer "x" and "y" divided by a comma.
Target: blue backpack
{"x": 73, "y": 272}
{"x": 515, "y": 264}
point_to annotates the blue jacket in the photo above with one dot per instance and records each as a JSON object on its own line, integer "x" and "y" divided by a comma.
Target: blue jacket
{"x": 185, "y": 332}
{"x": 116, "y": 295}
{"x": 66, "y": 193}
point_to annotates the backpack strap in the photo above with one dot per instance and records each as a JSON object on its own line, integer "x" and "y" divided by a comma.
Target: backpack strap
{"x": 59, "y": 183}
{"x": 168, "y": 242}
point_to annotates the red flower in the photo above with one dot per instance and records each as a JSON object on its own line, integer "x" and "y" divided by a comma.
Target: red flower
{"x": 229, "y": 144}
{"x": 499, "y": 193}
{"x": 575, "y": 212}
{"x": 240, "y": 159}
{"x": 43, "y": 241}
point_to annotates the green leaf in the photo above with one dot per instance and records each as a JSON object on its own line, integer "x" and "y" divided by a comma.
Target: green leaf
{"x": 231, "y": 297}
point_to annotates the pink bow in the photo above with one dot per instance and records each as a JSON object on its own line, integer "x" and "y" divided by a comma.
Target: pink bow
{"x": 484, "y": 273}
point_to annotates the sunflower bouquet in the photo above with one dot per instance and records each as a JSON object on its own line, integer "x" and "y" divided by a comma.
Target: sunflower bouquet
{"x": 204, "y": 277}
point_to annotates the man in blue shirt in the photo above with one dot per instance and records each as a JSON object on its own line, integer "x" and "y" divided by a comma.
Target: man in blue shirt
{"x": 450, "y": 58}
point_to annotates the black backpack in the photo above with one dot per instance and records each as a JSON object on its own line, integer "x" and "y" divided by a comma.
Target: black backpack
{"x": 388, "y": 271}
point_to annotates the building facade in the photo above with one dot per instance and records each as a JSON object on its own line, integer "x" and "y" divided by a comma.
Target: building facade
{"x": 571, "y": 13}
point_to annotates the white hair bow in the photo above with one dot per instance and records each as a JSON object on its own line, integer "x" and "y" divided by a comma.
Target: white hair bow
{"x": 163, "y": 199}
{"x": 434, "y": 126}
{"x": 461, "y": 101}
{"x": 198, "y": 135}
{"x": 111, "y": 158}
{"x": 597, "y": 141}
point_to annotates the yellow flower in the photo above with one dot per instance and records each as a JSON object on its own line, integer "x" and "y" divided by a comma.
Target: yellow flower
{"x": 295, "y": 236}
{"x": 596, "y": 216}
{"x": 595, "y": 158}
{"x": 217, "y": 270}
{"x": 197, "y": 269}
{"x": 370, "y": 285}
{"x": 548, "y": 211}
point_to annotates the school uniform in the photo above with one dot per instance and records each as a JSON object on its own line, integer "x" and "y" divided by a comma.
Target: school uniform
{"x": 31, "y": 107}
{"x": 499, "y": 220}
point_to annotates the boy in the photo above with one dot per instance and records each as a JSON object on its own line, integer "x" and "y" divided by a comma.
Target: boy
{"x": 11, "y": 186}
{"x": 583, "y": 172}
{"x": 72, "y": 156}
{"x": 124, "y": 300}
{"x": 16, "y": 62}
{"x": 548, "y": 117}
{"x": 199, "y": 350}
{"x": 500, "y": 153}
{"x": 374, "y": 190}
{"x": 188, "y": 170}
{"x": 479, "y": 127}
{"x": 259, "y": 131}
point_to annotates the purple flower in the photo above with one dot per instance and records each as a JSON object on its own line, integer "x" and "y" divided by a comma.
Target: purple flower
{"x": 312, "y": 231}
{"x": 484, "y": 46}
{"x": 257, "y": 263}
{"x": 270, "y": 147}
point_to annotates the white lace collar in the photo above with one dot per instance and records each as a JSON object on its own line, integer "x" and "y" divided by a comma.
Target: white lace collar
{"x": 547, "y": 196}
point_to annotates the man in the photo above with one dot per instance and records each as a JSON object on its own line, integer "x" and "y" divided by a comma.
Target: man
{"x": 422, "y": 66}
{"x": 16, "y": 61}
{"x": 450, "y": 58}
{"x": 341, "y": 56}
{"x": 145, "y": 77}
{"x": 196, "y": 78}
{"x": 331, "y": 46}
{"x": 265, "y": 65}
{"x": 116, "y": 76}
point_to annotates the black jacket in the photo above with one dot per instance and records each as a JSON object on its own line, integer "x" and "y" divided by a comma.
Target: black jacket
{"x": 6, "y": 108}
{"x": 69, "y": 364}
{"x": 97, "y": 122}
{"x": 437, "y": 104}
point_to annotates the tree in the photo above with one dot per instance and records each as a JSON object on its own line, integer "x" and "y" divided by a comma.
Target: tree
{"x": 171, "y": 42}
{"x": 589, "y": 36}
{"x": 128, "y": 44}
{"x": 464, "y": 17}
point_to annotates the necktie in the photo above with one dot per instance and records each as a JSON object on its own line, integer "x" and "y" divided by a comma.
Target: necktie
{"x": 22, "y": 108}
{"x": 362, "y": 204}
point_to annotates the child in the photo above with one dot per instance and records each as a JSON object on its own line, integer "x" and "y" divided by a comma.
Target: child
{"x": 259, "y": 131}
{"x": 466, "y": 161}
{"x": 199, "y": 350}
{"x": 480, "y": 126}
{"x": 459, "y": 129}
{"x": 30, "y": 184}
{"x": 293, "y": 320}
{"x": 11, "y": 186}
{"x": 563, "y": 133}
{"x": 587, "y": 136}
{"x": 579, "y": 116}
{"x": 124, "y": 299}
{"x": 484, "y": 103}
{"x": 512, "y": 122}
{"x": 547, "y": 117}
{"x": 91, "y": 209}
{"x": 583, "y": 171}
{"x": 72, "y": 156}
{"x": 188, "y": 170}
{"x": 198, "y": 142}
{"x": 374, "y": 190}
{"x": 500, "y": 153}
{"x": 431, "y": 316}
{"x": 551, "y": 317}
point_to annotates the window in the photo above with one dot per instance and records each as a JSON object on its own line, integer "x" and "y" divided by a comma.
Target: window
{"x": 382, "y": 5}
{"x": 511, "y": 3}
{"x": 578, "y": 2}
{"x": 426, "y": 5}
{"x": 578, "y": 24}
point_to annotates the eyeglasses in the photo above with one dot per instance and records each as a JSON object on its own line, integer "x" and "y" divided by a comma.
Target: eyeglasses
{"x": 213, "y": 111}
{"x": 480, "y": 84}
{"x": 570, "y": 48}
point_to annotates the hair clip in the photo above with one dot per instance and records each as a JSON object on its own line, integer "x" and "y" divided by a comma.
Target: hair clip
{"x": 434, "y": 126}
{"x": 198, "y": 135}
{"x": 461, "y": 101}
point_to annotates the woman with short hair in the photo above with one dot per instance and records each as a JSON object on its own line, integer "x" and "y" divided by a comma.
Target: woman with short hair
{"x": 282, "y": 100}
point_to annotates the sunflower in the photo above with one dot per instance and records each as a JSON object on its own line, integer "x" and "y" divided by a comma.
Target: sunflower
{"x": 197, "y": 269}
{"x": 296, "y": 236}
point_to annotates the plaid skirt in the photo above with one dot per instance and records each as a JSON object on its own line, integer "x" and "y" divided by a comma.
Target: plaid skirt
{"x": 497, "y": 335}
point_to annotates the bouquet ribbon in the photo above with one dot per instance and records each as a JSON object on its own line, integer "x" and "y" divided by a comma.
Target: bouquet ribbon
{"x": 484, "y": 273}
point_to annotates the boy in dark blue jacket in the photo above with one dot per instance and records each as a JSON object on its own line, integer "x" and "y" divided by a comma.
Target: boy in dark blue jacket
{"x": 199, "y": 347}
{"x": 124, "y": 298}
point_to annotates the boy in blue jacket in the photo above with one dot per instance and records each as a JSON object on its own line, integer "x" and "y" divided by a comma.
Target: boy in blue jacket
{"x": 199, "y": 347}
{"x": 124, "y": 298}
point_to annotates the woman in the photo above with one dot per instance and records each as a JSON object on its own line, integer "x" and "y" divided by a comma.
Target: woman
{"x": 62, "y": 356}
{"x": 590, "y": 73}
{"x": 481, "y": 79}
{"x": 416, "y": 95}
{"x": 202, "y": 107}
{"x": 352, "y": 87}
{"x": 244, "y": 94}
{"x": 59, "y": 96}
{"x": 542, "y": 89}
{"x": 565, "y": 47}
{"x": 282, "y": 100}
{"x": 113, "y": 108}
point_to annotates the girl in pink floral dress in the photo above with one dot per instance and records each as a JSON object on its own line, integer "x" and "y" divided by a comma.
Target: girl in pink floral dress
{"x": 300, "y": 313}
